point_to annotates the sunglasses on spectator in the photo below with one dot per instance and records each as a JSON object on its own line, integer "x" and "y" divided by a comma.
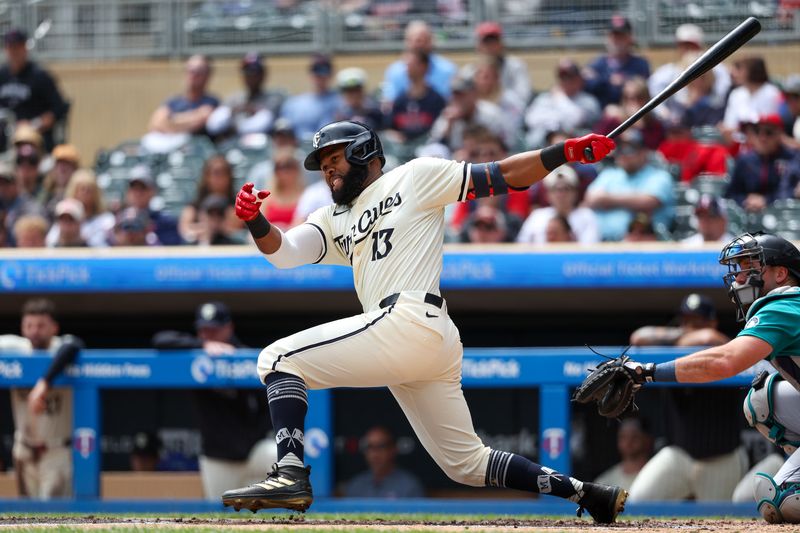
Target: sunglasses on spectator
{"x": 378, "y": 445}
{"x": 485, "y": 226}
{"x": 27, "y": 161}
{"x": 769, "y": 131}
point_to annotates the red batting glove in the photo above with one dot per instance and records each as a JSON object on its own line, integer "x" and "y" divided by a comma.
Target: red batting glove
{"x": 248, "y": 202}
{"x": 599, "y": 146}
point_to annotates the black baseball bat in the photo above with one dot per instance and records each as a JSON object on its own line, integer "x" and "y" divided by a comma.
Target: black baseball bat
{"x": 710, "y": 58}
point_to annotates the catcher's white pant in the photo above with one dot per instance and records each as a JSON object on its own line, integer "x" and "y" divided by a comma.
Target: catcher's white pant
{"x": 50, "y": 476}
{"x": 672, "y": 474}
{"x": 413, "y": 348}
{"x": 219, "y": 475}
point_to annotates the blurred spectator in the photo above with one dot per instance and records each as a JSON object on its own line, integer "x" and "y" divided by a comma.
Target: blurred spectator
{"x": 416, "y": 108}
{"x": 634, "y": 96}
{"x": 141, "y": 190}
{"x": 769, "y": 172}
{"x": 282, "y": 135}
{"x": 29, "y": 91}
{"x": 753, "y": 96}
{"x": 251, "y": 110}
{"x": 562, "y": 191}
{"x": 42, "y": 452}
{"x": 791, "y": 92}
{"x": 185, "y": 113}
{"x": 605, "y": 75}
{"x": 66, "y": 161}
{"x": 418, "y": 38}
{"x": 692, "y": 156}
{"x": 30, "y": 231}
{"x": 464, "y": 110}
{"x": 285, "y": 186}
{"x": 711, "y": 222}
{"x": 487, "y": 84}
{"x": 27, "y": 170}
{"x": 696, "y": 104}
{"x": 564, "y": 107}
{"x": 213, "y": 222}
{"x": 233, "y": 423}
{"x": 586, "y": 174}
{"x": 689, "y": 44}
{"x": 703, "y": 458}
{"x": 98, "y": 222}
{"x": 216, "y": 179}
{"x": 631, "y": 185}
{"x": 355, "y": 104}
{"x": 146, "y": 452}
{"x": 487, "y": 224}
{"x": 316, "y": 195}
{"x": 641, "y": 229}
{"x": 308, "y": 112}
{"x": 26, "y": 134}
{"x": 69, "y": 217}
{"x": 635, "y": 447}
{"x": 513, "y": 72}
{"x": 134, "y": 228}
{"x": 384, "y": 479}
{"x": 14, "y": 204}
{"x": 558, "y": 230}
{"x": 482, "y": 146}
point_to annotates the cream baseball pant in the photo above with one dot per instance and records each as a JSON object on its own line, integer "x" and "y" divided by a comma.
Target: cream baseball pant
{"x": 219, "y": 475}
{"x": 50, "y": 476}
{"x": 413, "y": 348}
{"x": 672, "y": 474}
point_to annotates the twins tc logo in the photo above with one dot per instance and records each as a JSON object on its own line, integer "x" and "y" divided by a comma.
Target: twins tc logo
{"x": 315, "y": 141}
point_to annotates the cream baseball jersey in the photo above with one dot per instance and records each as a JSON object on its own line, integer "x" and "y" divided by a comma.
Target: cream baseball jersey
{"x": 54, "y": 425}
{"x": 393, "y": 233}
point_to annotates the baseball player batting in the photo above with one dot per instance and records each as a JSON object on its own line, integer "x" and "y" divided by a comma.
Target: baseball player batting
{"x": 390, "y": 228}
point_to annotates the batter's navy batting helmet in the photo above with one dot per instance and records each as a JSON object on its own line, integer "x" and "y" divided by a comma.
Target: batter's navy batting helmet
{"x": 362, "y": 143}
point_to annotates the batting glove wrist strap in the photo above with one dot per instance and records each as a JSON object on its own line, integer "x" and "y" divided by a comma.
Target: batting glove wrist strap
{"x": 259, "y": 227}
{"x": 553, "y": 156}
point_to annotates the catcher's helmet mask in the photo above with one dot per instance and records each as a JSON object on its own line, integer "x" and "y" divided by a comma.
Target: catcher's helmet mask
{"x": 363, "y": 144}
{"x": 762, "y": 250}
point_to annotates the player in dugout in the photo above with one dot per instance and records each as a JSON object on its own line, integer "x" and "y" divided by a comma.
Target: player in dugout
{"x": 389, "y": 227}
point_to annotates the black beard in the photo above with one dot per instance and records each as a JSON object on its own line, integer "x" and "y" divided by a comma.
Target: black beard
{"x": 352, "y": 185}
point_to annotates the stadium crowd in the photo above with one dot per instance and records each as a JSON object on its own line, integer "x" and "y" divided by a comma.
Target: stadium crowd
{"x": 722, "y": 155}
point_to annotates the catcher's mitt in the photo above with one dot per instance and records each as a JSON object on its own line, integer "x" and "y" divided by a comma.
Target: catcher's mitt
{"x": 613, "y": 384}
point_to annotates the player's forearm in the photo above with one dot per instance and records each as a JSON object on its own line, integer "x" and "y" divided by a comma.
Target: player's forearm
{"x": 524, "y": 169}
{"x": 301, "y": 245}
{"x": 270, "y": 243}
{"x": 706, "y": 365}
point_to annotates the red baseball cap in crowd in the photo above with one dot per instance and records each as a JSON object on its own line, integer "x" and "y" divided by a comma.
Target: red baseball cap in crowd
{"x": 489, "y": 29}
{"x": 773, "y": 119}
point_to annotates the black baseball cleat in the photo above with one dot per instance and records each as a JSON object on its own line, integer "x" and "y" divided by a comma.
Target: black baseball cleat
{"x": 603, "y": 502}
{"x": 286, "y": 487}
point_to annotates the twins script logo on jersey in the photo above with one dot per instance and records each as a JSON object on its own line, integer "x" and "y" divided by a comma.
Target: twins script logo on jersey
{"x": 362, "y": 228}
{"x": 296, "y": 436}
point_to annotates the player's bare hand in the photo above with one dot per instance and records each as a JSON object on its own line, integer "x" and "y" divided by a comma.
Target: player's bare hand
{"x": 37, "y": 398}
{"x": 215, "y": 348}
{"x": 248, "y": 202}
{"x": 599, "y": 146}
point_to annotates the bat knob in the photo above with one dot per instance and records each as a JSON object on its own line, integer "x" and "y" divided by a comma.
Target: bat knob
{"x": 588, "y": 154}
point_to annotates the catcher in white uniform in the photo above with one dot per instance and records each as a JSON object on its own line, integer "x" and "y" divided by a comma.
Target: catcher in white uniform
{"x": 389, "y": 228}
{"x": 43, "y": 415}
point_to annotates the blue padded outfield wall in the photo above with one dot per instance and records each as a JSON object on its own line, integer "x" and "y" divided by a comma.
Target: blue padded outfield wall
{"x": 554, "y": 371}
{"x": 520, "y": 267}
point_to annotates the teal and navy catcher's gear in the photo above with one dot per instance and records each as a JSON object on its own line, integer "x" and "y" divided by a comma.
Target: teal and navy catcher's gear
{"x": 759, "y": 410}
{"x": 362, "y": 143}
{"x": 778, "y": 504}
{"x": 761, "y": 249}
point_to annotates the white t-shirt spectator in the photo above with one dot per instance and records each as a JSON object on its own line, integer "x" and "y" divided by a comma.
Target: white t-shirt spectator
{"x": 582, "y": 221}
{"x": 745, "y": 107}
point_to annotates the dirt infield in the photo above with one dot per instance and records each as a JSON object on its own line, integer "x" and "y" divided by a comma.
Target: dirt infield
{"x": 301, "y": 524}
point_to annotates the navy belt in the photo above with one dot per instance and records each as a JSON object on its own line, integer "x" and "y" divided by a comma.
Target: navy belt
{"x": 432, "y": 299}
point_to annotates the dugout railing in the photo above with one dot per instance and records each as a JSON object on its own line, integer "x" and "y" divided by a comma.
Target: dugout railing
{"x": 553, "y": 371}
